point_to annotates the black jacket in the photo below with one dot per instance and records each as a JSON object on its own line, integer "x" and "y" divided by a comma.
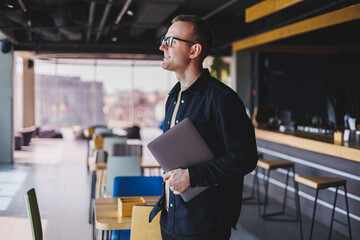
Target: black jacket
{"x": 220, "y": 117}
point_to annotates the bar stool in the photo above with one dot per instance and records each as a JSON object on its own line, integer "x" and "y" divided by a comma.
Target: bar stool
{"x": 319, "y": 183}
{"x": 268, "y": 166}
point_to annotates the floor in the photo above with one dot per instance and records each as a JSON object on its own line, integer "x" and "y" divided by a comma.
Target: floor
{"x": 260, "y": 229}
{"x": 56, "y": 168}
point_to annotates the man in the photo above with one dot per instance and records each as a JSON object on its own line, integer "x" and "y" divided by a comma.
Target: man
{"x": 220, "y": 117}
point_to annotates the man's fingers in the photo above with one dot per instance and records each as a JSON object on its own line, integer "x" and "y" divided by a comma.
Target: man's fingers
{"x": 167, "y": 175}
{"x": 171, "y": 184}
{"x": 166, "y": 178}
{"x": 178, "y": 180}
{"x": 177, "y": 190}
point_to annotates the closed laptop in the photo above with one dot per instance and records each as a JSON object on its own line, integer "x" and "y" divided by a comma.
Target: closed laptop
{"x": 180, "y": 147}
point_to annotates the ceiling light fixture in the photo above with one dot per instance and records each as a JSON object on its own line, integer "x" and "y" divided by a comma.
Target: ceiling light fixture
{"x": 9, "y": 4}
{"x": 130, "y": 13}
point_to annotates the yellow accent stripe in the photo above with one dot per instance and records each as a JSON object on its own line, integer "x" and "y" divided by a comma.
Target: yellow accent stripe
{"x": 328, "y": 19}
{"x": 267, "y": 7}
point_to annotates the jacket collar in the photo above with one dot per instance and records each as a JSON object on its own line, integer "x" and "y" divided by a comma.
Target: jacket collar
{"x": 196, "y": 87}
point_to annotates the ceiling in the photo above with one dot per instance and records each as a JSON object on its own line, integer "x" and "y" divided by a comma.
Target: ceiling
{"x": 135, "y": 26}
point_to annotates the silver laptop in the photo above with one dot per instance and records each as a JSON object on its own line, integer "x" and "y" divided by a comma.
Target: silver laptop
{"x": 181, "y": 147}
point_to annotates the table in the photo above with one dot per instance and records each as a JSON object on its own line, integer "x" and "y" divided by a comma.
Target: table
{"x": 106, "y": 214}
{"x": 98, "y": 178}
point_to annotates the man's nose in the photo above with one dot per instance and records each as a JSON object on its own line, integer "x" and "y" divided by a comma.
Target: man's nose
{"x": 163, "y": 46}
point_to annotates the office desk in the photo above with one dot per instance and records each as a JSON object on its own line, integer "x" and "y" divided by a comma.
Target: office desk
{"x": 106, "y": 214}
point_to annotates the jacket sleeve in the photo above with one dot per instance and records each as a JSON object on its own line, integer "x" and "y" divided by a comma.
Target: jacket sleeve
{"x": 236, "y": 133}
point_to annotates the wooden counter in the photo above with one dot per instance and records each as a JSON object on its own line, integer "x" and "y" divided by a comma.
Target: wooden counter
{"x": 313, "y": 155}
{"x": 349, "y": 153}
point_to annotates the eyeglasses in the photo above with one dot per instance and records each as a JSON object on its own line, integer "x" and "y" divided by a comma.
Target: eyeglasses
{"x": 169, "y": 40}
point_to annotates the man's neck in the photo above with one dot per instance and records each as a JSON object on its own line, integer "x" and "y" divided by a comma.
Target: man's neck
{"x": 188, "y": 77}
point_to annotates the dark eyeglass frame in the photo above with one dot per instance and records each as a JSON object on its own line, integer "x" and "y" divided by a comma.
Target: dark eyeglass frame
{"x": 171, "y": 38}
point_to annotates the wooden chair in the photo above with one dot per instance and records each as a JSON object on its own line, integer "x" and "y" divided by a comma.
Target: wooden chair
{"x": 96, "y": 163}
{"x": 34, "y": 214}
{"x": 319, "y": 183}
{"x": 141, "y": 228}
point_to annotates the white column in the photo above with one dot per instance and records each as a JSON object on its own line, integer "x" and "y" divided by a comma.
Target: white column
{"x": 29, "y": 93}
{"x": 6, "y": 107}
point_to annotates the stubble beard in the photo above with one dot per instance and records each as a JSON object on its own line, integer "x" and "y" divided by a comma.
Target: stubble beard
{"x": 165, "y": 64}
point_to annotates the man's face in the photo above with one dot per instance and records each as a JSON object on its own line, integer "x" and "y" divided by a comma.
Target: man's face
{"x": 176, "y": 57}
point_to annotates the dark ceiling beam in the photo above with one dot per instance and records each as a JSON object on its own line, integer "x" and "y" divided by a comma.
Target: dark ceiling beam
{"x": 91, "y": 19}
{"x": 85, "y": 56}
{"x": 9, "y": 36}
{"x": 219, "y": 9}
{"x": 115, "y": 2}
{"x": 88, "y": 47}
{"x": 103, "y": 20}
{"x": 123, "y": 11}
{"x": 4, "y": 20}
{"x": 24, "y": 9}
{"x": 152, "y": 14}
{"x": 95, "y": 29}
{"x": 296, "y": 48}
{"x": 22, "y": 6}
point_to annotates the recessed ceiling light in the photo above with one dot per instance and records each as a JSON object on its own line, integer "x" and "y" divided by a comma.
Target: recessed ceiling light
{"x": 130, "y": 13}
{"x": 9, "y": 4}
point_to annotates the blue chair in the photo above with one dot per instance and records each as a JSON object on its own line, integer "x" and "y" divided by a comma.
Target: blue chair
{"x": 133, "y": 187}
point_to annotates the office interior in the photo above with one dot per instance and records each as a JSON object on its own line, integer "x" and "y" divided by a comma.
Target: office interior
{"x": 68, "y": 68}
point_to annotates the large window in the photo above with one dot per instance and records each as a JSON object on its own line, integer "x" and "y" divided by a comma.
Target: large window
{"x": 118, "y": 93}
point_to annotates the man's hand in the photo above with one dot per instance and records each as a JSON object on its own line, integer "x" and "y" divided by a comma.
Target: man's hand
{"x": 178, "y": 180}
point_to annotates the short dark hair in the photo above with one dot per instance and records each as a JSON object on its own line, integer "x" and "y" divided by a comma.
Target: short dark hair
{"x": 202, "y": 34}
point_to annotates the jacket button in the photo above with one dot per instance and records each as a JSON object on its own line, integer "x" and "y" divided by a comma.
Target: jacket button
{"x": 174, "y": 103}
{"x": 171, "y": 205}
{"x": 182, "y": 101}
{"x": 177, "y": 121}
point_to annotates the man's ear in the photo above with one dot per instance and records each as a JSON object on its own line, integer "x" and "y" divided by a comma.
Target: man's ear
{"x": 195, "y": 50}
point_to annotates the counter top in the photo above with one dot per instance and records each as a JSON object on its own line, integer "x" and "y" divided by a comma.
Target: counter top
{"x": 312, "y": 142}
